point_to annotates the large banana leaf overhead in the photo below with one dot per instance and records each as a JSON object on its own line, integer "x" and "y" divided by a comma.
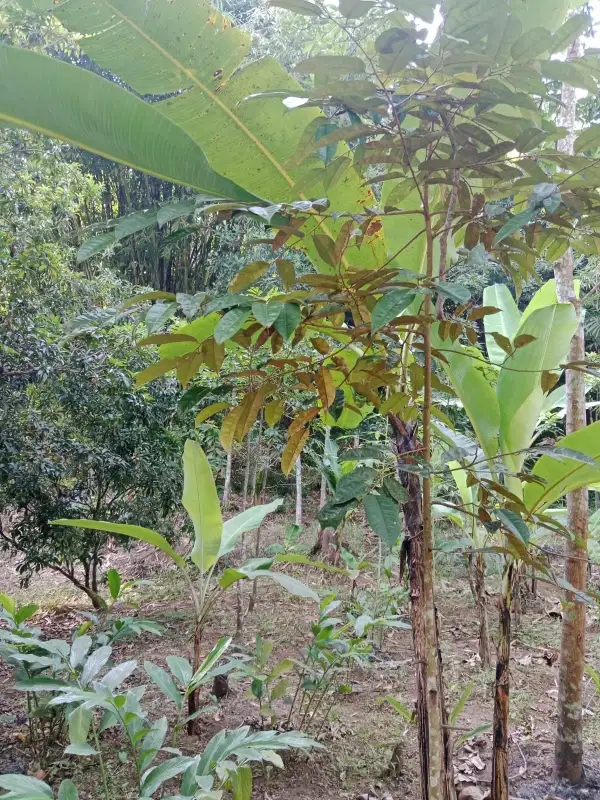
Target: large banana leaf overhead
{"x": 185, "y": 57}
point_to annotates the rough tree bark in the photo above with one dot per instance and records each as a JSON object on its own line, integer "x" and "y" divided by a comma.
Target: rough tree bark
{"x": 499, "y": 787}
{"x": 437, "y": 778}
{"x": 299, "y": 491}
{"x": 484, "y": 632}
{"x": 568, "y": 756}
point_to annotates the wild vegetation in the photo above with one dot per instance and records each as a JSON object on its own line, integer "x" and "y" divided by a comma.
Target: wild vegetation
{"x": 341, "y": 257}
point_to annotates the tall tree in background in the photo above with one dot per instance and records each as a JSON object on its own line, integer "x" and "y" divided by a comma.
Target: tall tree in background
{"x": 569, "y": 734}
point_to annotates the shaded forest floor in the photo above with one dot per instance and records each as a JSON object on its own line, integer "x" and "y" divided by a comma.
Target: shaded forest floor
{"x": 363, "y": 729}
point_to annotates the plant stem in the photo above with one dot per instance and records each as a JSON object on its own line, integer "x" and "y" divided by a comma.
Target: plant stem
{"x": 103, "y": 773}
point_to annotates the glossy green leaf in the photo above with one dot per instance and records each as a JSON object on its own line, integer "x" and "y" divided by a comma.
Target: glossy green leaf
{"x": 134, "y": 531}
{"x": 515, "y": 223}
{"x": 95, "y": 245}
{"x": 588, "y": 140}
{"x": 562, "y": 476}
{"x": 113, "y": 579}
{"x": 68, "y": 791}
{"x": 249, "y": 520}
{"x": 266, "y": 313}
{"x": 506, "y": 322}
{"x": 383, "y": 517}
{"x": 513, "y": 522}
{"x": 201, "y": 501}
{"x": 389, "y": 307}
{"x": 354, "y": 485}
{"x": 569, "y": 31}
{"x": 165, "y": 683}
{"x": 80, "y": 720}
{"x": 519, "y": 389}
{"x": 25, "y": 786}
{"x": 201, "y": 674}
{"x": 473, "y": 390}
{"x": 572, "y": 74}
{"x": 288, "y": 320}
{"x": 33, "y": 89}
{"x": 230, "y": 323}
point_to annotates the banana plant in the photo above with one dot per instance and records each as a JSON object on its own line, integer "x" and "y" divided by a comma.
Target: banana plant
{"x": 527, "y": 350}
{"x": 213, "y": 539}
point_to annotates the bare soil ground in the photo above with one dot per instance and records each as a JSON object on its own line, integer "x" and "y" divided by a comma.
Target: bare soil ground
{"x": 363, "y": 729}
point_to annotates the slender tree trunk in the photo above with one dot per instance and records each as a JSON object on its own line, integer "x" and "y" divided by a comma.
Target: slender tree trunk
{"x": 194, "y": 697}
{"x": 246, "y": 476}
{"x": 484, "y": 633}
{"x": 299, "y": 491}
{"x": 323, "y": 494}
{"x": 437, "y": 779}
{"x": 228, "y": 470}
{"x": 253, "y": 596}
{"x": 568, "y": 755}
{"x": 499, "y": 788}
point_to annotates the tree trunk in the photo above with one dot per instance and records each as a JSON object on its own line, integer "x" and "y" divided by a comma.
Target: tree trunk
{"x": 299, "y": 491}
{"x": 253, "y": 596}
{"x": 484, "y": 633}
{"x": 499, "y": 789}
{"x": 194, "y": 697}
{"x": 246, "y": 476}
{"x": 323, "y": 494}
{"x": 568, "y": 755}
{"x": 435, "y": 746}
{"x": 227, "y": 485}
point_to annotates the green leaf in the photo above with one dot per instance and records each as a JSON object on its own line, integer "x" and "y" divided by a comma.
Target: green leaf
{"x": 115, "y": 677}
{"x": 515, "y": 224}
{"x": 79, "y": 649}
{"x": 94, "y": 664}
{"x": 530, "y": 44}
{"x": 519, "y": 389}
{"x": 249, "y": 520}
{"x": 201, "y": 501}
{"x": 199, "y": 677}
{"x": 561, "y": 477}
{"x": 330, "y": 65}
{"x": 333, "y": 514}
{"x": 382, "y": 516}
{"x": 165, "y": 682}
{"x": 158, "y": 314}
{"x": 303, "y": 7}
{"x": 230, "y": 323}
{"x": 513, "y": 523}
{"x": 155, "y": 371}
{"x": 134, "y": 223}
{"x": 249, "y": 274}
{"x": 171, "y": 211}
{"x": 569, "y": 31}
{"x": 354, "y": 485}
{"x": 453, "y": 291}
{"x": 288, "y": 320}
{"x": 588, "y": 140}
{"x": 113, "y": 578}
{"x": 80, "y": 720}
{"x": 154, "y": 778}
{"x": 390, "y": 306}
{"x": 24, "y": 786}
{"x": 570, "y": 73}
{"x": 395, "y": 489}
{"x": 95, "y": 245}
{"x": 135, "y": 531}
{"x": 25, "y": 612}
{"x": 80, "y": 749}
{"x": 241, "y": 783}
{"x": 135, "y": 133}
{"x": 144, "y": 296}
{"x": 68, "y": 791}
{"x": 506, "y": 322}
{"x": 292, "y": 585}
{"x": 200, "y": 90}
{"x": 266, "y": 313}
{"x": 473, "y": 390}
{"x": 408, "y": 715}
{"x": 462, "y": 702}
{"x": 181, "y": 669}
{"x": 365, "y": 453}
